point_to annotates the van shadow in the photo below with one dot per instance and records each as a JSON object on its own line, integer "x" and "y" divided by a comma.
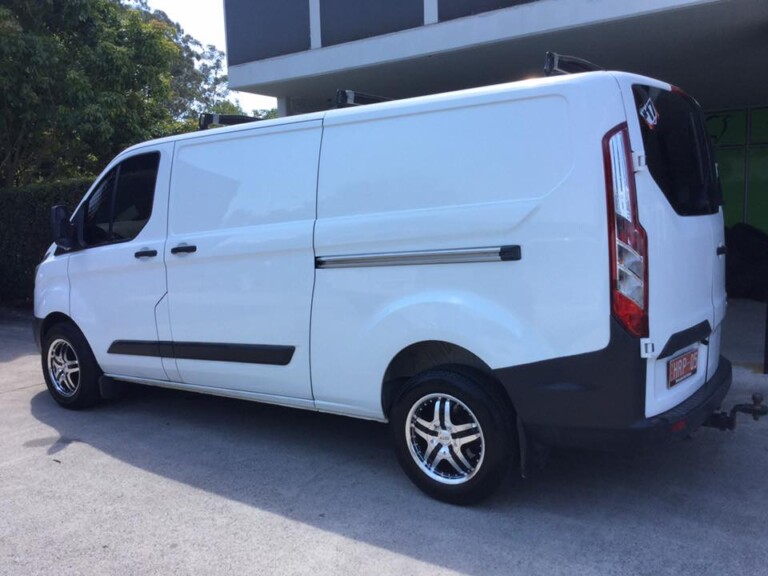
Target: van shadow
{"x": 340, "y": 475}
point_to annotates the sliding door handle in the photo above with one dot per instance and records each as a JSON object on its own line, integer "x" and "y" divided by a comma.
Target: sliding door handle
{"x": 184, "y": 249}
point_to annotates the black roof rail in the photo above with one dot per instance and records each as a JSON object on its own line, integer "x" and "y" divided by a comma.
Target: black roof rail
{"x": 555, "y": 63}
{"x": 208, "y": 120}
{"x": 349, "y": 98}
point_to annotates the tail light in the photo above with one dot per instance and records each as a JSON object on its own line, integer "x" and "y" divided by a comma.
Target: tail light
{"x": 627, "y": 239}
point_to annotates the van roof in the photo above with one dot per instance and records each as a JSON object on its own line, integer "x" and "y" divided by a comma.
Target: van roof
{"x": 361, "y": 112}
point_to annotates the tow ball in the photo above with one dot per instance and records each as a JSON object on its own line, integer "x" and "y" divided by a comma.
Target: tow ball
{"x": 727, "y": 420}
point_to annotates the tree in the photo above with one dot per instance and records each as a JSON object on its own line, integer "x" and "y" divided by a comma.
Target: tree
{"x": 265, "y": 114}
{"x": 80, "y": 81}
{"x": 197, "y": 77}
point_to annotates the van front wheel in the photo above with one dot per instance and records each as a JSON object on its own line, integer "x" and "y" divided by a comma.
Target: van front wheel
{"x": 69, "y": 367}
{"x": 453, "y": 437}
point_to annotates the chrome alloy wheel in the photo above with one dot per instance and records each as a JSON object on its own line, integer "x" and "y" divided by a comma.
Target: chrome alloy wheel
{"x": 63, "y": 367}
{"x": 445, "y": 439}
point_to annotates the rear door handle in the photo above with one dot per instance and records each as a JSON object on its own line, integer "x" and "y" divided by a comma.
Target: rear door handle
{"x": 145, "y": 253}
{"x": 184, "y": 249}
{"x": 722, "y": 250}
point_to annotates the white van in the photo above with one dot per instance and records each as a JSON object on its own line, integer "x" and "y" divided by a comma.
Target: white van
{"x": 535, "y": 261}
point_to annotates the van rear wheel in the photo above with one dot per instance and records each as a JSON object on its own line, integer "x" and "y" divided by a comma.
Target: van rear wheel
{"x": 452, "y": 435}
{"x": 70, "y": 370}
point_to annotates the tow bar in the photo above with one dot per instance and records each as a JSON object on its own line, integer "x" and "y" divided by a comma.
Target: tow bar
{"x": 727, "y": 420}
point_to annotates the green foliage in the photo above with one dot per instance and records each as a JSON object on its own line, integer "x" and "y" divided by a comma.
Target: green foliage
{"x": 82, "y": 80}
{"x": 265, "y": 114}
{"x": 25, "y": 232}
{"x": 198, "y": 81}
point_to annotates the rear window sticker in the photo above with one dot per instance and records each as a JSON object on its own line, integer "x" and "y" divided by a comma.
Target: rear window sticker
{"x": 649, "y": 114}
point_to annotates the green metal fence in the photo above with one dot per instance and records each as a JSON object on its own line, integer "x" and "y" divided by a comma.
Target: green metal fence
{"x": 741, "y": 139}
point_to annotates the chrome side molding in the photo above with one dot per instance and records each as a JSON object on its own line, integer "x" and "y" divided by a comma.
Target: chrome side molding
{"x": 423, "y": 257}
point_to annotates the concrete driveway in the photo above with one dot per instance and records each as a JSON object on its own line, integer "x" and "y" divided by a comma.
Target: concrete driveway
{"x": 164, "y": 482}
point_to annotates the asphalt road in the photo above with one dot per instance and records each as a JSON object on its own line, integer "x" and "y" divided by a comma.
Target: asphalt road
{"x": 164, "y": 482}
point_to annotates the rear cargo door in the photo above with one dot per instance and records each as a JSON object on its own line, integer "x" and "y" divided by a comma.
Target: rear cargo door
{"x": 679, "y": 207}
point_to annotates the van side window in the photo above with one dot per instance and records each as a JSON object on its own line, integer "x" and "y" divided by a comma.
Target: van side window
{"x": 134, "y": 194}
{"x": 121, "y": 204}
{"x": 98, "y": 209}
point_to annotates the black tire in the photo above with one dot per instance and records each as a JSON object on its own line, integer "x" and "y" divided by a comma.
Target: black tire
{"x": 64, "y": 345}
{"x": 488, "y": 457}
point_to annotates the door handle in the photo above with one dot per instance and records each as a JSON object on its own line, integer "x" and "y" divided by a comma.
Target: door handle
{"x": 722, "y": 250}
{"x": 145, "y": 253}
{"x": 184, "y": 249}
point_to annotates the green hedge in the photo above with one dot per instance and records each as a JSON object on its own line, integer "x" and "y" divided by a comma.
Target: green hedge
{"x": 25, "y": 232}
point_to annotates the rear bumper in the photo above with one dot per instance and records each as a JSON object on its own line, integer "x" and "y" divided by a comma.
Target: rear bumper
{"x": 680, "y": 421}
{"x": 597, "y": 399}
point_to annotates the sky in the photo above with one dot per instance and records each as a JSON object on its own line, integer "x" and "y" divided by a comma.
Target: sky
{"x": 204, "y": 19}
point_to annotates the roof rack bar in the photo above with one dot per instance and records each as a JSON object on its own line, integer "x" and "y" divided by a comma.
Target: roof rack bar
{"x": 209, "y": 120}
{"x": 348, "y": 98}
{"x": 555, "y": 63}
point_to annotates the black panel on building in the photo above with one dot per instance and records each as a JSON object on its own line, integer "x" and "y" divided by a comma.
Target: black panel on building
{"x": 258, "y": 30}
{"x": 450, "y": 9}
{"x": 347, "y": 20}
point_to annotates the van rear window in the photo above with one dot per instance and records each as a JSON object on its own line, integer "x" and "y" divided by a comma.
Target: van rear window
{"x": 677, "y": 149}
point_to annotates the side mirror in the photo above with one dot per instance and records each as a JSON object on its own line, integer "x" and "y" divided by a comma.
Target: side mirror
{"x": 62, "y": 229}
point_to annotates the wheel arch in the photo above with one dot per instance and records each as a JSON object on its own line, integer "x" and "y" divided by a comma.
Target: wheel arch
{"x": 55, "y": 318}
{"x": 42, "y": 327}
{"x": 426, "y": 355}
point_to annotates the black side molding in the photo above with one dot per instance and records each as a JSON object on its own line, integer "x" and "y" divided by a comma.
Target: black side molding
{"x": 678, "y": 340}
{"x": 142, "y": 348}
{"x": 247, "y": 353}
{"x": 243, "y": 353}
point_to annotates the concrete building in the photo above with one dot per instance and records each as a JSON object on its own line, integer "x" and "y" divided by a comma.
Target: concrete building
{"x": 302, "y": 51}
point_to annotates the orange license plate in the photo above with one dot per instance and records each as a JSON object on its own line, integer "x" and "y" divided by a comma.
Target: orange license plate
{"x": 682, "y": 367}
